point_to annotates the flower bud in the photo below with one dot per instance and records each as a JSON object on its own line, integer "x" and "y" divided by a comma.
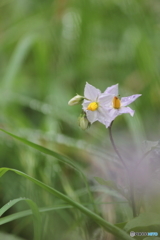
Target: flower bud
{"x": 76, "y": 100}
{"x": 83, "y": 122}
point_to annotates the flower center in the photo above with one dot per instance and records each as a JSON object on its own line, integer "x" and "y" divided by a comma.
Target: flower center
{"x": 92, "y": 106}
{"x": 116, "y": 102}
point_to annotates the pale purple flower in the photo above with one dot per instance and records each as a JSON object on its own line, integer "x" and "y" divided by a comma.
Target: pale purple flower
{"x": 94, "y": 105}
{"x": 118, "y": 106}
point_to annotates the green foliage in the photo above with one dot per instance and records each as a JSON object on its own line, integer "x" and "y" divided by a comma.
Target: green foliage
{"x": 35, "y": 212}
{"x": 109, "y": 227}
{"x": 5, "y": 236}
{"x": 48, "y": 50}
{"x": 142, "y": 221}
{"x": 111, "y": 184}
{"x": 22, "y": 214}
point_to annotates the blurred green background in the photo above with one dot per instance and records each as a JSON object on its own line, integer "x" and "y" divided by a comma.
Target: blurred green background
{"x": 48, "y": 51}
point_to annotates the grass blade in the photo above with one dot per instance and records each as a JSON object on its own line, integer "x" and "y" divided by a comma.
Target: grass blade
{"x": 58, "y": 156}
{"x": 45, "y": 151}
{"x": 17, "y": 59}
{"x": 143, "y": 220}
{"x": 26, "y": 213}
{"x": 106, "y": 225}
{"x": 34, "y": 211}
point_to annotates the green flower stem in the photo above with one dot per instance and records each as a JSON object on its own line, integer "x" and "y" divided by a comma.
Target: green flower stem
{"x": 114, "y": 146}
{"x": 131, "y": 183}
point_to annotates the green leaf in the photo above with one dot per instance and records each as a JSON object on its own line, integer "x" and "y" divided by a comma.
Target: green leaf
{"x": 106, "y": 225}
{"x": 9, "y": 205}
{"x": 110, "y": 184}
{"x": 58, "y": 156}
{"x": 44, "y": 150}
{"x": 6, "y": 236}
{"x": 120, "y": 225}
{"x": 35, "y": 212}
{"x": 36, "y": 219}
{"x": 143, "y": 220}
{"x": 25, "y": 213}
{"x": 17, "y": 59}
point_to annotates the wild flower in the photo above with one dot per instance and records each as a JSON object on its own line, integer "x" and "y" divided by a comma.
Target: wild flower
{"x": 94, "y": 105}
{"x": 117, "y": 106}
{"x": 102, "y": 107}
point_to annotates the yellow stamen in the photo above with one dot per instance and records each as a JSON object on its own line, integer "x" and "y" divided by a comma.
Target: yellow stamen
{"x": 116, "y": 102}
{"x": 92, "y": 106}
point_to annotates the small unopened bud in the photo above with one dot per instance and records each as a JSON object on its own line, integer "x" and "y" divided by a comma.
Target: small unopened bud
{"x": 83, "y": 122}
{"x": 76, "y": 100}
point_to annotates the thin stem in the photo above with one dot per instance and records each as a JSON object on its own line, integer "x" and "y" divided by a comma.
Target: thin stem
{"x": 132, "y": 199}
{"x": 114, "y": 146}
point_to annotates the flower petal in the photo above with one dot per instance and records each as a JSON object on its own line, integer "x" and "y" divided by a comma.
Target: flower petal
{"x": 113, "y": 113}
{"x": 126, "y": 110}
{"x": 91, "y": 93}
{"x": 127, "y": 100}
{"x": 108, "y": 123}
{"x": 103, "y": 115}
{"x": 92, "y": 116}
{"x": 116, "y": 112}
{"x": 85, "y": 104}
{"x": 105, "y": 100}
{"x": 112, "y": 90}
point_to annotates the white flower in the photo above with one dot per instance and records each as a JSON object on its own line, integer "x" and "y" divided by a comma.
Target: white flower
{"x": 76, "y": 100}
{"x": 94, "y": 105}
{"x": 118, "y": 106}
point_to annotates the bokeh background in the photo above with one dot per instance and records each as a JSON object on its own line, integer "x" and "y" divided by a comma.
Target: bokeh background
{"x": 48, "y": 51}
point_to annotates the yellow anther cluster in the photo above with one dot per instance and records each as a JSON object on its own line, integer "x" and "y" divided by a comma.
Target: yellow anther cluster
{"x": 92, "y": 106}
{"x": 116, "y": 102}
